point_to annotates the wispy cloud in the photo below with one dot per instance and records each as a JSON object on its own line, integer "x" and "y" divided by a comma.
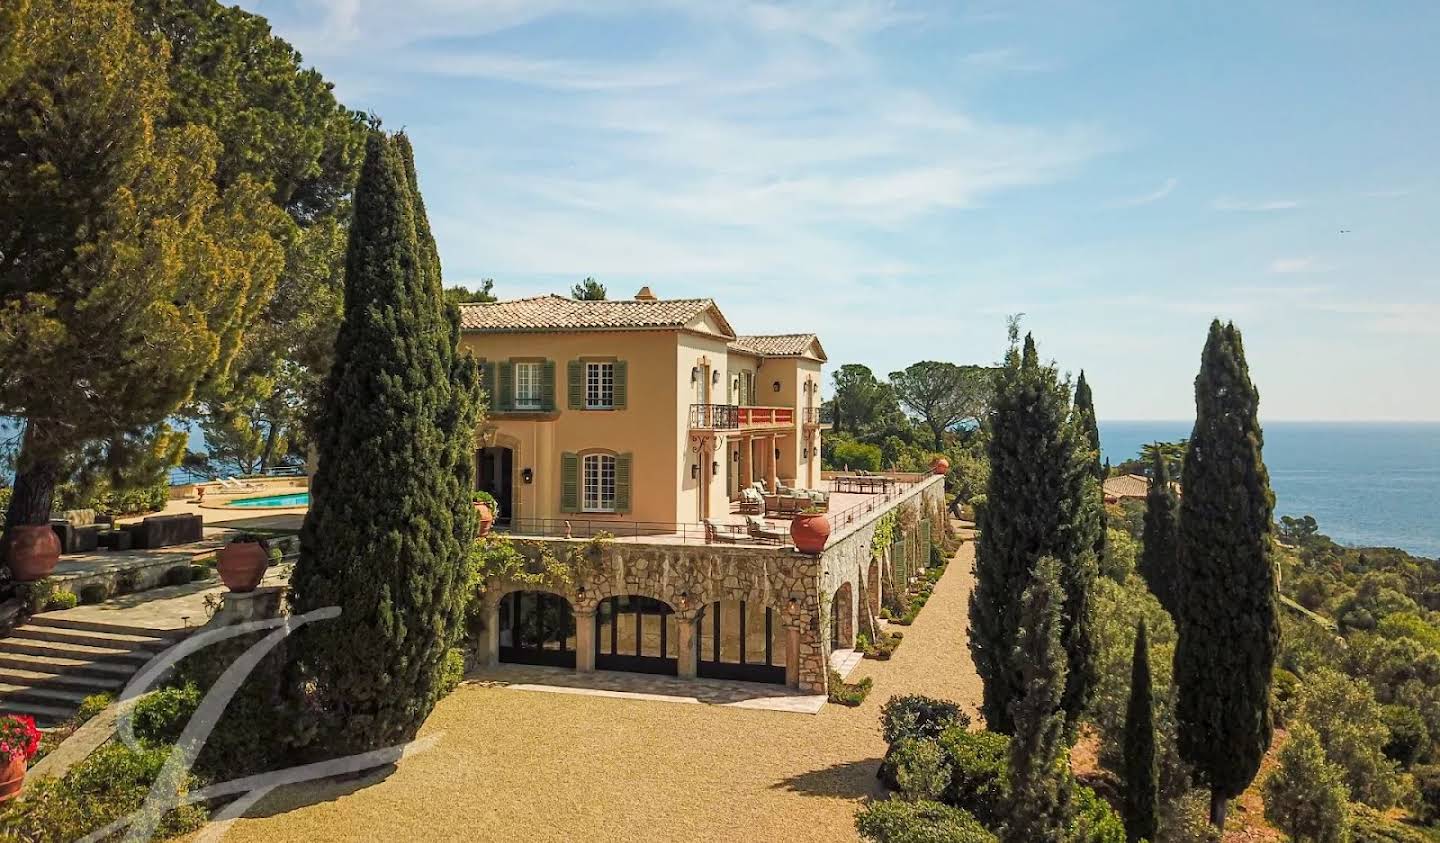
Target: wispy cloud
{"x": 1165, "y": 189}
{"x": 1006, "y": 59}
{"x": 1286, "y": 266}
{"x": 1228, "y": 204}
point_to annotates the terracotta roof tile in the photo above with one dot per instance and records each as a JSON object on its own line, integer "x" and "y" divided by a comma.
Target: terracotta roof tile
{"x": 554, "y": 312}
{"x": 1127, "y": 486}
{"x": 778, "y": 345}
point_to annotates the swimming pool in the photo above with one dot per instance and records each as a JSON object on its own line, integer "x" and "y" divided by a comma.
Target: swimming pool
{"x": 273, "y": 501}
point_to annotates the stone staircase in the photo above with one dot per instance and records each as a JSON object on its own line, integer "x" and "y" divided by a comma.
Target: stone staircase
{"x": 49, "y": 665}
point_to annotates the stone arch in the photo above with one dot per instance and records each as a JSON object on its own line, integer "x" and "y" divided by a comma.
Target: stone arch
{"x": 842, "y": 618}
{"x": 874, "y": 596}
{"x": 533, "y": 626}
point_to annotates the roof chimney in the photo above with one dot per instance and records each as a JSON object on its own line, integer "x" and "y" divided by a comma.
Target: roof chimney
{"x": 645, "y": 294}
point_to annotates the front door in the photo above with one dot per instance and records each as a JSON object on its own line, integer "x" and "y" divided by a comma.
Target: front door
{"x": 494, "y": 469}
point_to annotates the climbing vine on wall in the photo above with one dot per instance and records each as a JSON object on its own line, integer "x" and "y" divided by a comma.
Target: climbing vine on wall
{"x": 884, "y": 535}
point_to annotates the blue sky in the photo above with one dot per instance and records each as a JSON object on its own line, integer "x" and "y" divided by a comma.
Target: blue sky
{"x": 900, "y": 176}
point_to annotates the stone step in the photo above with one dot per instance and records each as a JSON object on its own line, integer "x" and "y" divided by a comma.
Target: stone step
{"x": 45, "y": 715}
{"x": 117, "y": 640}
{"x": 43, "y": 695}
{"x": 65, "y": 650}
{"x": 44, "y": 679}
{"x": 68, "y": 666}
{"x": 59, "y": 621}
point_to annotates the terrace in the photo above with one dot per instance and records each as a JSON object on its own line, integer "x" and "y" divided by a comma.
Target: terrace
{"x": 709, "y": 417}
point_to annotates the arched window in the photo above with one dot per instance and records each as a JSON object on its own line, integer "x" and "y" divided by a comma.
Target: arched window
{"x": 598, "y": 483}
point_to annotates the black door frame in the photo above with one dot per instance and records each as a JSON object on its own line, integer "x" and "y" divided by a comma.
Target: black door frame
{"x": 714, "y": 668}
{"x": 513, "y": 654}
{"x": 633, "y": 663}
{"x": 504, "y": 487}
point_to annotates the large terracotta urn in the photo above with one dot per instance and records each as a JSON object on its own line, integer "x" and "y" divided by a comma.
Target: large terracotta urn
{"x": 484, "y": 517}
{"x": 12, "y": 777}
{"x": 242, "y": 565}
{"x": 940, "y": 465}
{"x": 809, "y": 532}
{"x": 34, "y": 550}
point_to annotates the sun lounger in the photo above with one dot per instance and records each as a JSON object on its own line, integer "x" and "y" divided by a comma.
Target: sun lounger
{"x": 725, "y": 533}
{"x": 764, "y": 533}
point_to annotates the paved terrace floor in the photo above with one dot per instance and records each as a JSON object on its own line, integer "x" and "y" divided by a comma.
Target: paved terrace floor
{"x": 513, "y": 765}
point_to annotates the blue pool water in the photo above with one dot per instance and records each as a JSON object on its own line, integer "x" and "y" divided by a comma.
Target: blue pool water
{"x": 272, "y": 501}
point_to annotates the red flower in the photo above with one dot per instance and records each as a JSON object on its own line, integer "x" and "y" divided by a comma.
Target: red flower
{"x": 18, "y": 737}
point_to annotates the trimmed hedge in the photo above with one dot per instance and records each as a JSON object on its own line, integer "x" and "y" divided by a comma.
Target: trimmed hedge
{"x": 896, "y": 821}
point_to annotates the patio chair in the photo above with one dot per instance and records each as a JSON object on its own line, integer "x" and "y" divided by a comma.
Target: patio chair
{"x": 724, "y": 533}
{"x": 766, "y": 534}
{"x": 751, "y": 501}
{"x": 237, "y": 485}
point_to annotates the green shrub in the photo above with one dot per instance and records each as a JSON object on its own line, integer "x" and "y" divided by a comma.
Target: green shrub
{"x": 1285, "y": 690}
{"x": 1368, "y": 825}
{"x": 1095, "y": 821}
{"x": 921, "y": 772}
{"x": 937, "y": 557}
{"x": 896, "y": 821}
{"x": 61, "y": 600}
{"x": 35, "y": 596}
{"x": 179, "y": 575}
{"x": 856, "y": 456}
{"x": 51, "y": 738}
{"x": 161, "y": 717}
{"x": 848, "y": 693}
{"x": 112, "y": 783}
{"x": 978, "y": 766}
{"x": 452, "y": 670}
{"x": 916, "y": 716}
{"x": 199, "y": 573}
{"x": 1427, "y": 793}
{"x": 92, "y": 594}
{"x": 1408, "y": 736}
{"x": 93, "y": 705}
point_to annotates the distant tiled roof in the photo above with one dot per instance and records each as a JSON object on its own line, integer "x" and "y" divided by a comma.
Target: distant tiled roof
{"x": 1127, "y": 486}
{"x": 558, "y": 313}
{"x": 780, "y": 345}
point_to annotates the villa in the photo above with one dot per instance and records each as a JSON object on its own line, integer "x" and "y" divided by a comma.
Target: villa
{"x": 654, "y": 422}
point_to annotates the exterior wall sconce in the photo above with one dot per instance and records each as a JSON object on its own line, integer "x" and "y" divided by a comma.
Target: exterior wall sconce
{"x": 735, "y": 455}
{"x": 715, "y": 467}
{"x": 684, "y": 599}
{"x": 805, "y": 452}
{"x": 775, "y": 386}
{"x": 695, "y": 374}
{"x": 694, "y": 471}
{"x": 527, "y": 476}
{"x": 715, "y": 377}
{"x": 792, "y": 605}
{"x": 580, "y": 592}
{"x": 777, "y": 453}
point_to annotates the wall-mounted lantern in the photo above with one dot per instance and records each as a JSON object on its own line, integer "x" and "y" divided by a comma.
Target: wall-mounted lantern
{"x": 527, "y": 476}
{"x": 775, "y": 386}
{"x": 715, "y": 377}
{"x": 695, "y": 374}
{"x": 777, "y": 453}
{"x": 715, "y": 467}
{"x": 694, "y": 471}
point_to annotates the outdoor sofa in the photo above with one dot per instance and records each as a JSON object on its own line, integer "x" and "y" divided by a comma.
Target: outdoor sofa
{"x": 166, "y": 530}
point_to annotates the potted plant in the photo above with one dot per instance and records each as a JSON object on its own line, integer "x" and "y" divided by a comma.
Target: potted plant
{"x": 810, "y": 529}
{"x": 940, "y": 465}
{"x": 19, "y": 739}
{"x": 242, "y": 562}
{"x": 486, "y": 511}
{"x": 34, "y": 550}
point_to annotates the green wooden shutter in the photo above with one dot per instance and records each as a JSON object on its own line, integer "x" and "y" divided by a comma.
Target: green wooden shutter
{"x": 505, "y": 395}
{"x": 575, "y": 384}
{"x": 622, "y": 384}
{"x": 622, "y": 483}
{"x": 547, "y": 386}
{"x": 487, "y": 380}
{"x": 569, "y": 482}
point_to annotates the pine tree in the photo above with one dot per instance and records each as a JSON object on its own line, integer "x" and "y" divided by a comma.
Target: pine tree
{"x": 1158, "y": 562}
{"x": 1040, "y": 479}
{"x": 1142, "y": 773}
{"x": 1226, "y": 590}
{"x": 390, "y": 521}
{"x": 1040, "y": 780}
{"x": 128, "y": 277}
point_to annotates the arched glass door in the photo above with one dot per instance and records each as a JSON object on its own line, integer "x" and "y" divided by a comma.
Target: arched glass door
{"x": 636, "y": 634}
{"x": 537, "y": 627}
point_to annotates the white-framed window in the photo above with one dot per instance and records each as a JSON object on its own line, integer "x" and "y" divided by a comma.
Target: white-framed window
{"x": 598, "y": 483}
{"x": 527, "y": 385}
{"x": 600, "y": 388}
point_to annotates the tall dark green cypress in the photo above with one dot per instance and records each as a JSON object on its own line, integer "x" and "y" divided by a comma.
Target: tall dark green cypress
{"x": 1141, "y": 770}
{"x": 1226, "y": 594}
{"x": 390, "y": 520}
{"x": 1094, "y": 519}
{"x": 1040, "y": 780}
{"x": 1039, "y": 481}
{"x": 1161, "y": 537}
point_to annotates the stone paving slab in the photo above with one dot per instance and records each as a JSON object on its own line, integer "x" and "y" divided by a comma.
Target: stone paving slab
{"x": 641, "y": 686}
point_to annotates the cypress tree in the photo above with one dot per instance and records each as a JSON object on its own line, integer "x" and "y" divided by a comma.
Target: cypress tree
{"x": 1142, "y": 773}
{"x": 1040, "y": 780}
{"x": 1160, "y": 539}
{"x": 1094, "y": 517}
{"x": 1039, "y": 481}
{"x": 390, "y": 521}
{"x": 1226, "y": 590}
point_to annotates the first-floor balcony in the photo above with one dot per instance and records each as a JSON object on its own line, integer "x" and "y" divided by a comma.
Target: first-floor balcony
{"x": 739, "y": 417}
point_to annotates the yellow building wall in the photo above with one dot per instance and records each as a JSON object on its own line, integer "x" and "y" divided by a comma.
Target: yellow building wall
{"x": 650, "y": 427}
{"x": 711, "y": 385}
{"x": 796, "y": 466}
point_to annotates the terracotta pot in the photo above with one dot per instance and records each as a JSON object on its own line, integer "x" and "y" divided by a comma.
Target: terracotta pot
{"x": 810, "y": 532}
{"x": 940, "y": 465}
{"x": 242, "y": 565}
{"x": 12, "y": 778}
{"x": 34, "y": 550}
{"x": 484, "y": 518}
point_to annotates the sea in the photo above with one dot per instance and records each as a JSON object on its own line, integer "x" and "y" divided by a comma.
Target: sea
{"x": 1368, "y": 484}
